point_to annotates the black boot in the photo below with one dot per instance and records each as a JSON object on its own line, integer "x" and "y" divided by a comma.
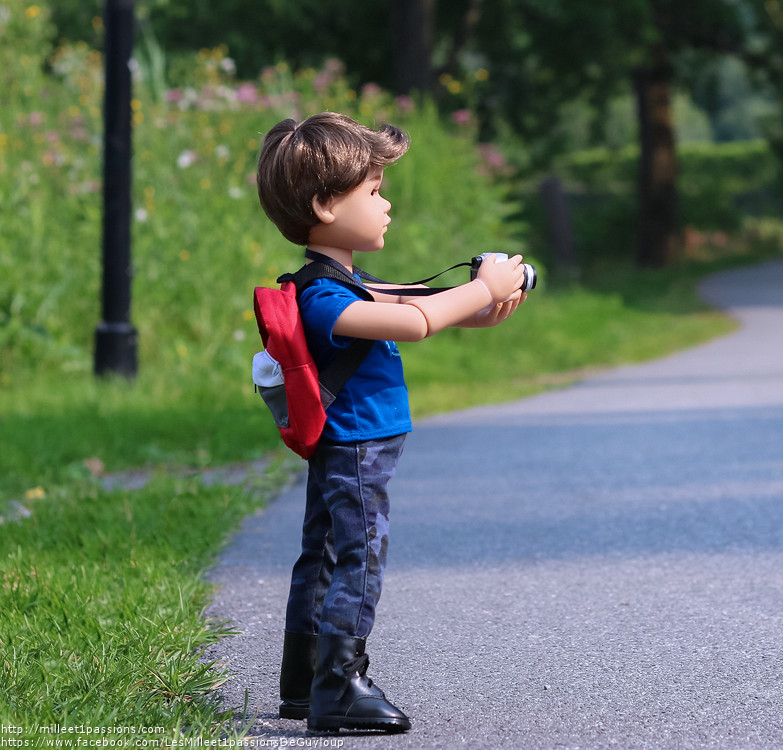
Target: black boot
{"x": 296, "y": 674}
{"x": 342, "y": 697}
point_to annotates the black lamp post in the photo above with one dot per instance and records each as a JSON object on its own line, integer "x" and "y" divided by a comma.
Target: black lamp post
{"x": 115, "y": 337}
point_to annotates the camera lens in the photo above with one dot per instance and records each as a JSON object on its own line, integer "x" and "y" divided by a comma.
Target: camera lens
{"x": 530, "y": 277}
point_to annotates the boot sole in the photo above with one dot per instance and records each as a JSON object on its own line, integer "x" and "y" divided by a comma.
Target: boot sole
{"x": 336, "y": 723}
{"x": 289, "y": 711}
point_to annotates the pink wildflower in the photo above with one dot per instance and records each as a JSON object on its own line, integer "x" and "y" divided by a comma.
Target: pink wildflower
{"x": 334, "y": 66}
{"x": 321, "y": 82}
{"x": 693, "y": 238}
{"x": 371, "y": 89}
{"x": 405, "y": 104}
{"x": 491, "y": 156}
{"x": 247, "y": 93}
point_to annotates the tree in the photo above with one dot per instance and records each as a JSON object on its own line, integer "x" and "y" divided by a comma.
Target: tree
{"x": 761, "y": 49}
{"x": 541, "y": 55}
{"x": 657, "y": 175}
{"x": 412, "y": 34}
{"x": 676, "y": 28}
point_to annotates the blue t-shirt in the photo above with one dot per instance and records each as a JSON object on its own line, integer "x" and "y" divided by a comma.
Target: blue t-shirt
{"x": 373, "y": 404}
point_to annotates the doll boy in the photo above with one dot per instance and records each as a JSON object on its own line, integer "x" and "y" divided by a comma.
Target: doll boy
{"x": 319, "y": 181}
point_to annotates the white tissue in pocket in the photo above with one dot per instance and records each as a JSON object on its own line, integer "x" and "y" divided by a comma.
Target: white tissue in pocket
{"x": 267, "y": 372}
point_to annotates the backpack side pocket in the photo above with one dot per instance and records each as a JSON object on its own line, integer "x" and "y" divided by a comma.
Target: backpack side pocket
{"x": 275, "y": 399}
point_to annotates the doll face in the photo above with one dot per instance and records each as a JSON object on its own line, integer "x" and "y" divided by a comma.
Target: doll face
{"x": 356, "y": 220}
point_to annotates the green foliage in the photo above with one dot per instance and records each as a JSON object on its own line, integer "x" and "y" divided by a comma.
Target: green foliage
{"x": 304, "y": 33}
{"x": 718, "y": 184}
{"x": 729, "y": 168}
{"x": 25, "y": 43}
{"x": 551, "y": 72}
{"x": 79, "y": 20}
{"x": 199, "y": 234}
{"x": 735, "y": 101}
{"x": 49, "y": 182}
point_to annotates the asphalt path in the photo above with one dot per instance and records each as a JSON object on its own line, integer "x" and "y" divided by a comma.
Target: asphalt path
{"x": 596, "y": 567}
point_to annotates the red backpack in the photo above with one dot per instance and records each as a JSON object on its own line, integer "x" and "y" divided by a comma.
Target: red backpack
{"x": 293, "y": 389}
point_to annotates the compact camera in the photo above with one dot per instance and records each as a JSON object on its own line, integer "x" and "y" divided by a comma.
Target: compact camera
{"x": 530, "y": 278}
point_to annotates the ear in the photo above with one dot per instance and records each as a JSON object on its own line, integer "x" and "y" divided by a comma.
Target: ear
{"x": 323, "y": 209}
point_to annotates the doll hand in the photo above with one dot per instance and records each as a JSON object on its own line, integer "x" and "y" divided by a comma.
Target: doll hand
{"x": 502, "y": 279}
{"x": 499, "y": 312}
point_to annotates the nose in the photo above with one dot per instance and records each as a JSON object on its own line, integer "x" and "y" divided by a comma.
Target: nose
{"x": 387, "y": 206}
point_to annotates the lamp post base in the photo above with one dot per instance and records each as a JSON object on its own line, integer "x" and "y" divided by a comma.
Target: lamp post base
{"x": 115, "y": 349}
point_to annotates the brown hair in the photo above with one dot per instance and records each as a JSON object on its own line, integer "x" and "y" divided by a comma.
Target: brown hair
{"x": 324, "y": 155}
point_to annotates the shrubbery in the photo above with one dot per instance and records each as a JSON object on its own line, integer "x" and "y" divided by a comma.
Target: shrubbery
{"x": 200, "y": 240}
{"x": 26, "y": 33}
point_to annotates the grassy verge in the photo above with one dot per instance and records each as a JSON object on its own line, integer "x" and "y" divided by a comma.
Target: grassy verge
{"x": 102, "y": 595}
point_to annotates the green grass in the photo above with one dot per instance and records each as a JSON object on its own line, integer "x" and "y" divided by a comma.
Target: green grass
{"x": 102, "y": 595}
{"x": 50, "y": 430}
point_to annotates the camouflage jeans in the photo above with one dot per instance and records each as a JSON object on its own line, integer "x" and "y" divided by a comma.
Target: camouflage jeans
{"x": 336, "y": 582}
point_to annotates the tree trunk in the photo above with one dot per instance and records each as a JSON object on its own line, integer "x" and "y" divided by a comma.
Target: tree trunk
{"x": 462, "y": 34}
{"x": 657, "y": 199}
{"x": 412, "y": 23}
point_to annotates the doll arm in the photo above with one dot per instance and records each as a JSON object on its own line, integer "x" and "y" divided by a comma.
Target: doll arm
{"x": 419, "y": 317}
{"x": 395, "y": 292}
{"x": 490, "y": 316}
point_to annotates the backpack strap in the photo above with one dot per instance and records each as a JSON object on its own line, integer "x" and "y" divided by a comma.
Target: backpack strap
{"x": 333, "y": 377}
{"x": 345, "y": 364}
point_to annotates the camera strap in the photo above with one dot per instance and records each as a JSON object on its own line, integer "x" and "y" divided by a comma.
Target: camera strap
{"x": 416, "y": 291}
